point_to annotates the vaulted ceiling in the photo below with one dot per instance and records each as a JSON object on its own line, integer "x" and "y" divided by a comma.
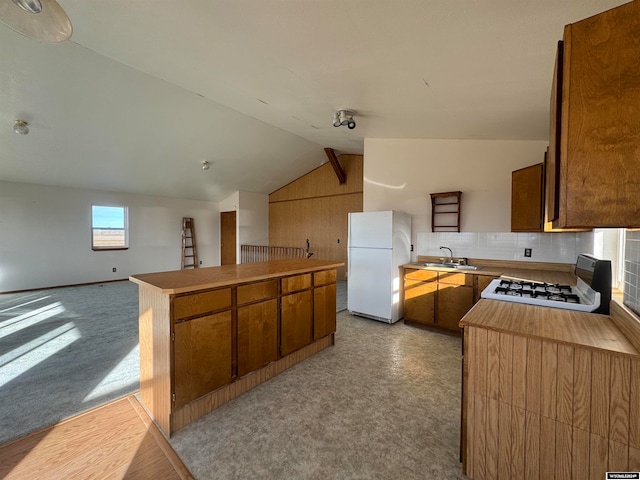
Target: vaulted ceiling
{"x": 146, "y": 90}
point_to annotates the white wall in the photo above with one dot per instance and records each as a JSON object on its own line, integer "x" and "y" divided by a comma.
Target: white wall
{"x": 253, "y": 224}
{"x": 252, "y": 218}
{"x": 399, "y": 174}
{"x": 45, "y": 235}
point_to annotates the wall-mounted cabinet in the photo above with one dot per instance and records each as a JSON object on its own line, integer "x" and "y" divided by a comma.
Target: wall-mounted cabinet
{"x": 593, "y": 172}
{"x": 527, "y": 200}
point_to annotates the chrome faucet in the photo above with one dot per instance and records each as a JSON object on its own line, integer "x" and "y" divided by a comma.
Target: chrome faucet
{"x": 450, "y": 253}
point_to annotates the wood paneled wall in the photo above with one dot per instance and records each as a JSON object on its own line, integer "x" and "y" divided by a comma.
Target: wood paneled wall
{"x": 547, "y": 410}
{"x": 315, "y": 207}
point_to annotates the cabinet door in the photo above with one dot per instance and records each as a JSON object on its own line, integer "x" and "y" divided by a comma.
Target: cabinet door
{"x": 202, "y": 356}
{"x": 599, "y": 167}
{"x": 324, "y": 311}
{"x": 420, "y": 301}
{"x": 552, "y": 159}
{"x": 526, "y": 199}
{"x": 454, "y": 301}
{"x": 482, "y": 282}
{"x": 295, "y": 322}
{"x": 257, "y": 335}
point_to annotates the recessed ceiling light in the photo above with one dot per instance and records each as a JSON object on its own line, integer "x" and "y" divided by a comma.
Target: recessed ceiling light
{"x": 21, "y": 127}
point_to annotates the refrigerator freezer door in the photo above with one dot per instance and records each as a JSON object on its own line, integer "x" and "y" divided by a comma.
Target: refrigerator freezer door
{"x": 371, "y": 229}
{"x": 369, "y": 291}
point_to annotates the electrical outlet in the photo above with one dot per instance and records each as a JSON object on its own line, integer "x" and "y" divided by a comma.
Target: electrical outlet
{"x": 527, "y": 252}
{"x": 113, "y": 269}
{"x": 412, "y": 247}
{"x": 338, "y": 240}
{"x": 200, "y": 262}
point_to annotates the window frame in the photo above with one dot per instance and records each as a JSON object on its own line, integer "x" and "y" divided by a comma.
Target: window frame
{"x": 97, "y": 248}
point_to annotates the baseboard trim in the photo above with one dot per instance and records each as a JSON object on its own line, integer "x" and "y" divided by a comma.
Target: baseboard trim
{"x": 66, "y": 286}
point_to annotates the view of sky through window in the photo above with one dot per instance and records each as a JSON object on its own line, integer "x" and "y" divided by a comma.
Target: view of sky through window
{"x": 109, "y": 227}
{"x": 108, "y": 217}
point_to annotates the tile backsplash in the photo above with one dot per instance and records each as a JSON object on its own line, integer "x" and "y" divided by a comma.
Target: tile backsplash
{"x": 545, "y": 247}
{"x": 632, "y": 270}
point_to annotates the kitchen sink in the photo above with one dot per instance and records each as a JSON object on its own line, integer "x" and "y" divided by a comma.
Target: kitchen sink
{"x": 451, "y": 265}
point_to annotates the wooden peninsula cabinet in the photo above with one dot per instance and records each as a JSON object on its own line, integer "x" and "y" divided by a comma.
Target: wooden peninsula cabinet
{"x": 593, "y": 172}
{"x": 547, "y": 394}
{"x": 210, "y": 334}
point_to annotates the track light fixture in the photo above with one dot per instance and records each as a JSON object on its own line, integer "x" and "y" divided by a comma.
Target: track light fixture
{"x": 344, "y": 116}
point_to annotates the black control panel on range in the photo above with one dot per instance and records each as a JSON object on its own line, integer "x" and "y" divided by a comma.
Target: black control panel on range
{"x": 597, "y": 274}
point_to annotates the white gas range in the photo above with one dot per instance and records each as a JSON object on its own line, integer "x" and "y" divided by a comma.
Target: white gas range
{"x": 591, "y": 294}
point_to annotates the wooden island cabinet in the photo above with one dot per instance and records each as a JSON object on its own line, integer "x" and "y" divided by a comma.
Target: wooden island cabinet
{"x": 210, "y": 334}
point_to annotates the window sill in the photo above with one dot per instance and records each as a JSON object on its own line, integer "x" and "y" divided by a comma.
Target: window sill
{"x": 108, "y": 249}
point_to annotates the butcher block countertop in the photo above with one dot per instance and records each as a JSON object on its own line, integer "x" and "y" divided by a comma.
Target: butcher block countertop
{"x": 181, "y": 281}
{"x": 565, "y": 326}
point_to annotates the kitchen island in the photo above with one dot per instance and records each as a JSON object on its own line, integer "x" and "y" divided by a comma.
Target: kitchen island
{"x": 208, "y": 335}
{"x": 549, "y": 393}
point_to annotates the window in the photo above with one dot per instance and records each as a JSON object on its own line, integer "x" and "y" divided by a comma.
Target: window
{"x": 109, "y": 228}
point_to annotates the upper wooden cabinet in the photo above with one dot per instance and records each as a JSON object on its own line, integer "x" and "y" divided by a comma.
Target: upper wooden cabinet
{"x": 593, "y": 170}
{"x": 526, "y": 199}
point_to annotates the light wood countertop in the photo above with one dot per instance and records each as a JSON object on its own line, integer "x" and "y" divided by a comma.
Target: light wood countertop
{"x": 181, "y": 281}
{"x": 565, "y": 326}
{"x": 549, "y": 276}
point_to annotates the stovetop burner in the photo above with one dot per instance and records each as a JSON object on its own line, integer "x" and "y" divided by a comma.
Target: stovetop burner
{"x": 591, "y": 294}
{"x": 580, "y": 297}
{"x": 547, "y": 291}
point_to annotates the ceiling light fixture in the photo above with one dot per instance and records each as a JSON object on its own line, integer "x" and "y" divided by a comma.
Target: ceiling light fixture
{"x": 205, "y": 165}
{"x": 44, "y": 20}
{"x": 21, "y": 127}
{"x": 344, "y": 116}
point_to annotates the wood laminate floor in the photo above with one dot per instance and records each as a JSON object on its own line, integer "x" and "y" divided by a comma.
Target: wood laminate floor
{"x": 114, "y": 441}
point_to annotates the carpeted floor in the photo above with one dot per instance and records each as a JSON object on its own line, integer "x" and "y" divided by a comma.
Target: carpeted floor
{"x": 64, "y": 351}
{"x": 383, "y": 403}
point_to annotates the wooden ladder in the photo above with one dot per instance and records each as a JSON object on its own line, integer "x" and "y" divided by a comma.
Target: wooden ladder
{"x": 189, "y": 251}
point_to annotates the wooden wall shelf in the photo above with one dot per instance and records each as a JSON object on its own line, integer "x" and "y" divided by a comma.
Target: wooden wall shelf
{"x": 445, "y": 211}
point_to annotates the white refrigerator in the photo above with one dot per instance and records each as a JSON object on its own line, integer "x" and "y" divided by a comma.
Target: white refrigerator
{"x": 378, "y": 243}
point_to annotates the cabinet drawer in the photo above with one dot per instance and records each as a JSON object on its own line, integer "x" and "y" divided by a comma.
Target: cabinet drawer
{"x": 324, "y": 278}
{"x": 296, "y": 283}
{"x": 199, "y": 303}
{"x": 422, "y": 275}
{"x": 257, "y": 291}
{"x": 455, "y": 278}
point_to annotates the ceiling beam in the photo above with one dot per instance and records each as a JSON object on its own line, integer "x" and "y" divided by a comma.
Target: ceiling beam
{"x": 340, "y": 173}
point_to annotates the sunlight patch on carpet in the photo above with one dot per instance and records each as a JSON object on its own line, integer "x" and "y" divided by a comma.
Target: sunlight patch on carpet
{"x": 119, "y": 378}
{"x": 23, "y": 358}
